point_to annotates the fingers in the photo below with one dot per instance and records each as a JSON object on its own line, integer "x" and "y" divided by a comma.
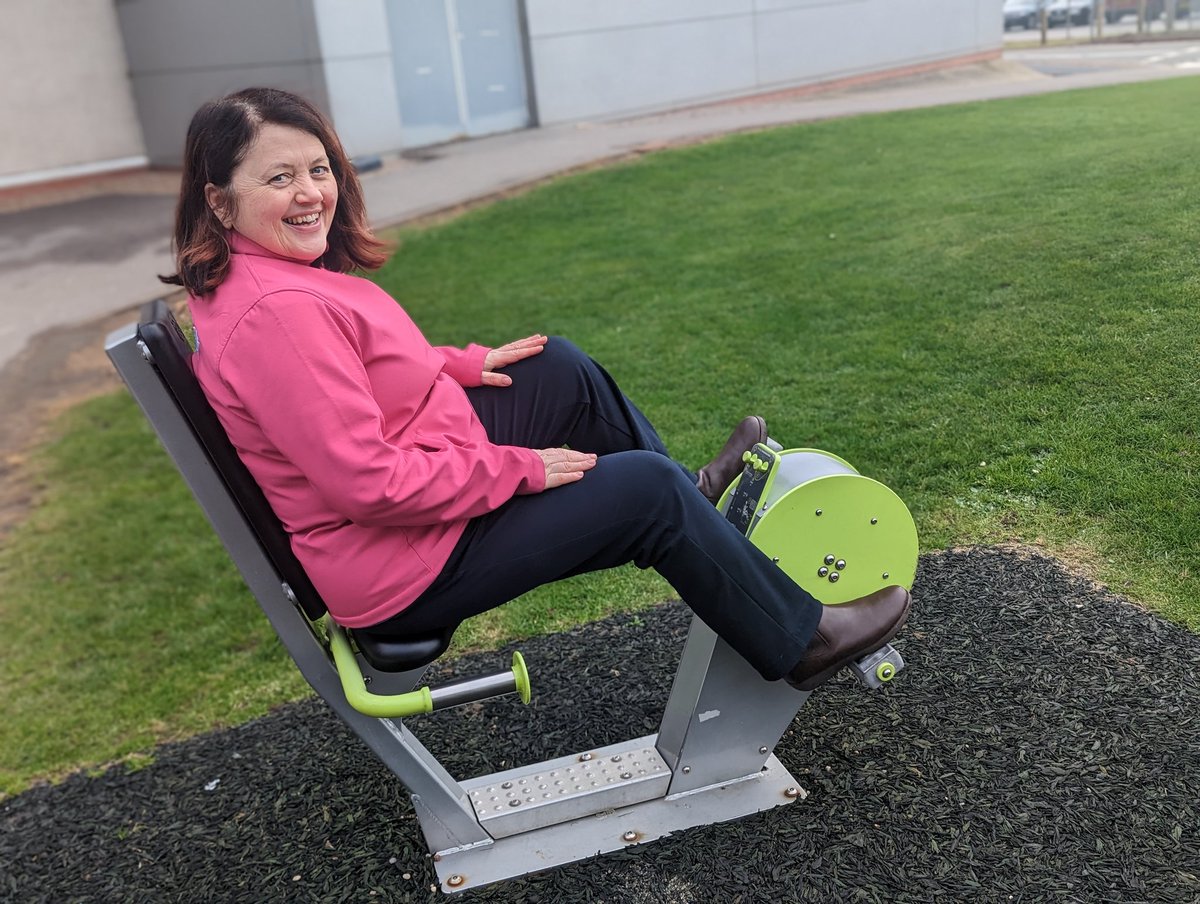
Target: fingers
{"x": 514, "y": 351}
{"x": 565, "y": 466}
{"x": 537, "y": 340}
{"x": 495, "y": 379}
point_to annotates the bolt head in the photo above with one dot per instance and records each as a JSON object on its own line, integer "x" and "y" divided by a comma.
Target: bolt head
{"x": 792, "y": 792}
{"x": 829, "y": 559}
{"x": 874, "y": 520}
{"x": 630, "y": 836}
{"x": 687, "y": 770}
{"x": 455, "y": 881}
{"x": 822, "y": 571}
{"x": 833, "y": 577}
{"x": 886, "y": 575}
{"x": 763, "y": 749}
{"x": 840, "y": 564}
{"x": 584, "y": 757}
{"x": 819, "y": 513}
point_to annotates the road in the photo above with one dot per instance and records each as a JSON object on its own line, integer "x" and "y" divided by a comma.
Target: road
{"x": 1072, "y": 59}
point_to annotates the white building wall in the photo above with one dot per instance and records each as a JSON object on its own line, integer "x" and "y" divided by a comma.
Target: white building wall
{"x": 66, "y": 104}
{"x": 356, "y": 50}
{"x": 595, "y": 60}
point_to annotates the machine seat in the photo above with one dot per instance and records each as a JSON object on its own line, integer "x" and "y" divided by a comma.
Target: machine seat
{"x": 401, "y": 654}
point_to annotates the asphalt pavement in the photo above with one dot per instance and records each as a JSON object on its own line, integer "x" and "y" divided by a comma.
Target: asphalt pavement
{"x": 68, "y": 260}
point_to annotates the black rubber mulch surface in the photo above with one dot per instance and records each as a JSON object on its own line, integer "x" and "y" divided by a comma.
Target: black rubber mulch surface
{"x": 1044, "y": 745}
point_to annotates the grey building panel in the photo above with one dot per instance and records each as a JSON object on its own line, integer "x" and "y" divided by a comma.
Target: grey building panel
{"x": 174, "y": 35}
{"x": 346, "y": 30}
{"x": 166, "y": 101}
{"x": 553, "y": 17}
{"x": 363, "y": 105}
{"x": 597, "y": 74}
{"x": 625, "y": 57}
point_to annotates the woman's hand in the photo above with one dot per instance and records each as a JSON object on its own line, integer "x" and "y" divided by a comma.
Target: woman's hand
{"x": 565, "y": 465}
{"x": 509, "y": 354}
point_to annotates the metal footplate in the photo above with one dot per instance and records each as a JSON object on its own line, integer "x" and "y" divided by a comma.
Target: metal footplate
{"x": 876, "y": 669}
{"x": 596, "y": 812}
{"x": 569, "y": 787}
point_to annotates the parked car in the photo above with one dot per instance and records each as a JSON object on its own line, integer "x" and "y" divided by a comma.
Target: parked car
{"x": 1077, "y": 12}
{"x": 1115, "y": 10}
{"x": 1023, "y": 13}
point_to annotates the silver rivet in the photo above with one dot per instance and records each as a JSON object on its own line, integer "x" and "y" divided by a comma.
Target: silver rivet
{"x": 775, "y": 559}
{"x": 840, "y": 565}
{"x": 886, "y": 575}
{"x": 762, "y": 749}
{"x": 822, "y": 571}
{"x": 874, "y": 520}
{"x": 616, "y": 758}
{"x": 506, "y": 785}
{"x": 829, "y": 559}
{"x": 819, "y": 513}
{"x": 626, "y": 775}
{"x": 455, "y": 881}
{"x": 833, "y": 577}
{"x": 792, "y": 792}
{"x": 687, "y": 770}
{"x": 630, "y": 836}
{"x": 584, "y": 757}
{"x": 514, "y": 803}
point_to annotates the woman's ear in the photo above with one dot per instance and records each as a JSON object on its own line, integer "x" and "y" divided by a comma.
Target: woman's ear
{"x": 216, "y": 203}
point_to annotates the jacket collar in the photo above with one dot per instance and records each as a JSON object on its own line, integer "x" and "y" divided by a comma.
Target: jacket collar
{"x": 239, "y": 244}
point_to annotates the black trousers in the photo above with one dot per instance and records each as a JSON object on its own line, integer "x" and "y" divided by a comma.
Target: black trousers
{"x": 636, "y": 505}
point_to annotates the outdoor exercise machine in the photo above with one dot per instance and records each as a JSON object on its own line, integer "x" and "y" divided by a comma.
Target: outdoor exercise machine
{"x": 838, "y": 534}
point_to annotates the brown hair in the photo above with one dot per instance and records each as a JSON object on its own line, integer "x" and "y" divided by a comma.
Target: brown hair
{"x": 217, "y": 140}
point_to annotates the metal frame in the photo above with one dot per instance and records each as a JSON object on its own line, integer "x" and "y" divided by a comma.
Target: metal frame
{"x": 710, "y": 761}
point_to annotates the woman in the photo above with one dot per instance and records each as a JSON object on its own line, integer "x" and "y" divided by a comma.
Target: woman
{"x": 423, "y": 485}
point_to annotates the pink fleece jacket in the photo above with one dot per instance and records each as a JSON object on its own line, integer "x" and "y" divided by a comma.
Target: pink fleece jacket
{"x": 355, "y": 427}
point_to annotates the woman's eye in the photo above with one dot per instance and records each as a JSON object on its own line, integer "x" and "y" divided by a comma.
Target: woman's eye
{"x": 320, "y": 170}
{"x": 280, "y": 179}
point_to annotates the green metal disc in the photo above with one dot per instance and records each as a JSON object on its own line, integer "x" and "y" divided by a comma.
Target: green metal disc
{"x": 853, "y": 519}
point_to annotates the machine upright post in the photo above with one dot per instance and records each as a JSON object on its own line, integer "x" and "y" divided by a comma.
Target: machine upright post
{"x": 722, "y": 719}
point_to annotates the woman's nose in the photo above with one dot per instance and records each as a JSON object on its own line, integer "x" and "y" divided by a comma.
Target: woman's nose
{"x": 307, "y": 189}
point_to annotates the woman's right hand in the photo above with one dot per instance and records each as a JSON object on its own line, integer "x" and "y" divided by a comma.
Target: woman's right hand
{"x": 565, "y": 465}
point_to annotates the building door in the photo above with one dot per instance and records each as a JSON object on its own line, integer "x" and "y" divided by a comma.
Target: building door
{"x": 459, "y": 68}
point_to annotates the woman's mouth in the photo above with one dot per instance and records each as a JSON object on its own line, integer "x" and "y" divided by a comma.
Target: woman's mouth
{"x": 307, "y": 220}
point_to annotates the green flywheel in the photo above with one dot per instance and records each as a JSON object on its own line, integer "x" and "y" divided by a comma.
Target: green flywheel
{"x": 836, "y": 533}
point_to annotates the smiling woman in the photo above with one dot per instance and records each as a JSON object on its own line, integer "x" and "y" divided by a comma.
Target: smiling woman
{"x": 285, "y": 194}
{"x": 252, "y": 160}
{"x": 419, "y": 485}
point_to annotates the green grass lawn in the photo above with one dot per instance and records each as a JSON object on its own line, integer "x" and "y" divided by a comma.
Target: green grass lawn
{"x": 991, "y": 308}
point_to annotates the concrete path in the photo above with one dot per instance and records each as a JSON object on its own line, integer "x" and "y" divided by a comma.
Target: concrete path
{"x": 80, "y": 259}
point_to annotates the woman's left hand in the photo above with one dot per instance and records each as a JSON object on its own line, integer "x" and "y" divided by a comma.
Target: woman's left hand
{"x": 509, "y": 354}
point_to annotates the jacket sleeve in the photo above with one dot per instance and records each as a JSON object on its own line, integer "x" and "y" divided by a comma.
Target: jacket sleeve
{"x": 296, "y": 367}
{"x": 465, "y": 365}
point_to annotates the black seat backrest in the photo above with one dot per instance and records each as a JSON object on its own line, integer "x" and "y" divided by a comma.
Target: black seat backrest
{"x": 171, "y": 354}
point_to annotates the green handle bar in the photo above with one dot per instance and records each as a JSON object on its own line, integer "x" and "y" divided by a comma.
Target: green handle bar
{"x": 386, "y": 706}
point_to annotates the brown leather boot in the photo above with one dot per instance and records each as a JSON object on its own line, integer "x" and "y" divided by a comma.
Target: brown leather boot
{"x": 848, "y": 631}
{"x": 716, "y": 476}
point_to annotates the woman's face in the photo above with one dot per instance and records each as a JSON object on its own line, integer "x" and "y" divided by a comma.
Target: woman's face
{"x": 284, "y": 194}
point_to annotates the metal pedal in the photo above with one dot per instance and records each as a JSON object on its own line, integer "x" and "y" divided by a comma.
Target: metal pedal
{"x": 876, "y": 669}
{"x": 569, "y": 787}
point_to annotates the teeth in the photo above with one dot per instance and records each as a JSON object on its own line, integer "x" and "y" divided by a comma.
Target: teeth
{"x": 304, "y": 220}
